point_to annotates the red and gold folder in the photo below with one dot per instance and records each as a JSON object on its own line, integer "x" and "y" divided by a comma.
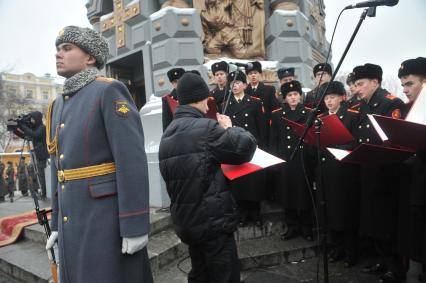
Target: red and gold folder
{"x": 371, "y": 154}
{"x": 333, "y": 132}
{"x": 261, "y": 160}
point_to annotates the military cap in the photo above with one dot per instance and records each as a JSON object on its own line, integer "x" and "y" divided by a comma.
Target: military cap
{"x": 368, "y": 71}
{"x": 88, "y": 40}
{"x": 323, "y": 67}
{"x": 285, "y": 72}
{"x": 175, "y": 74}
{"x": 240, "y": 77}
{"x": 413, "y": 67}
{"x": 195, "y": 72}
{"x": 220, "y": 66}
{"x": 350, "y": 78}
{"x": 291, "y": 86}
{"x": 334, "y": 87}
{"x": 255, "y": 66}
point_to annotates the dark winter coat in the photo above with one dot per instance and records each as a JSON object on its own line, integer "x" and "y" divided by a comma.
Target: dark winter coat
{"x": 167, "y": 113}
{"x": 191, "y": 151}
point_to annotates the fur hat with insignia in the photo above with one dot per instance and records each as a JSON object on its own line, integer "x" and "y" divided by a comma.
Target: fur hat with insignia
{"x": 291, "y": 86}
{"x": 323, "y": 67}
{"x": 89, "y": 40}
{"x": 240, "y": 77}
{"x": 350, "y": 78}
{"x": 285, "y": 72}
{"x": 220, "y": 66}
{"x": 413, "y": 67}
{"x": 255, "y": 66}
{"x": 368, "y": 71}
{"x": 175, "y": 74}
{"x": 334, "y": 87}
{"x": 191, "y": 88}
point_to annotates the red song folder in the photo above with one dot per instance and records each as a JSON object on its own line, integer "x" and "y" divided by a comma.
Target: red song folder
{"x": 211, "y": 103}
{"x": 399, "y": 132}
{"x": 371, "y": 154}
{"x": 261, "y": 159}
{"x": 333, "y": 132}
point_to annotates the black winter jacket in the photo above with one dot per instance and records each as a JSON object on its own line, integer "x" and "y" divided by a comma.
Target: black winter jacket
{"x": 191, "y": 151}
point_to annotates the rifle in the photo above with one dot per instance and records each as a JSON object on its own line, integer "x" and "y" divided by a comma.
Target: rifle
{"x": 41, "y": 213}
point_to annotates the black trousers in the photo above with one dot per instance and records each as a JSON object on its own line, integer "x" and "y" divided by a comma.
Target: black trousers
{"x": 215, "y": 261}
{"x": 41, "y": 165}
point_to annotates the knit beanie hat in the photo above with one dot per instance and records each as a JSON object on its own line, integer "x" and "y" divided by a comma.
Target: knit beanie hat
{"x": 87, "y": 39}
{"x": 191, "y": 88}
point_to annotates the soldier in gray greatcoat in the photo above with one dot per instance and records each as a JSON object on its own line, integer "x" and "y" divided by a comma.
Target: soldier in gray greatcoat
{"x": 100, "y": 201}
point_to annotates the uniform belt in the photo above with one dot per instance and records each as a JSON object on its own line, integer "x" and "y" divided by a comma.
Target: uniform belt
{"x": 86, "y": 172}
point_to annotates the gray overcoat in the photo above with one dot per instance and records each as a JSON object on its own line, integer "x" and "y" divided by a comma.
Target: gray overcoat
{"x": 98, "y": 124}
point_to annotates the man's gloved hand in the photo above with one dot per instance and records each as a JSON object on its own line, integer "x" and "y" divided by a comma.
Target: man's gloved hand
{"x": 132, "y": 245}
{"x": 50, "y": 242}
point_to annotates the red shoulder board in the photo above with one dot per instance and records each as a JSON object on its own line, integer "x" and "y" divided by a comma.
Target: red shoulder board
{"x": 105, "y": 79}
{"x": 353, "y": 110}
{"x": 278, "y": 109}
{"x": 391, "y": 97}
{"x": 255, "y": 98}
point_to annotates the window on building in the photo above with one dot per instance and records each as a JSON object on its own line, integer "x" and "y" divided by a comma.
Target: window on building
{"x": 45, "y": 94}
{"x": 12, "y": 91}
{"x": 29, "y": 93}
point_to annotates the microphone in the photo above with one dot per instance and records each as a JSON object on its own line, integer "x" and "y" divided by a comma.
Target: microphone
{"x": 374, "y": 3}
{"x": 245, "y": 65}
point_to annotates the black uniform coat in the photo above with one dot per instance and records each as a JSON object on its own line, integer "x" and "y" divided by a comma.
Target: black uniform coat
{"x": 353, "y": 103}
{"x": 341, "y": 180}
{"x": 167, "y": 114}
{"x": 291, "y": 189}
{"x": 3, "y": 190}
{"x": 312, "y": 99}
{"x": 266, "y": 93}
{"x": 248, "y": 114}
{"x": 219, "y": 96}
{"x": 99, "y": 123}
{"x": 379, "y": 184}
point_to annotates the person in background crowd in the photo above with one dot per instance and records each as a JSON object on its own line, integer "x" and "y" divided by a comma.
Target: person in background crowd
{"x": 10, "y": 180}
{"x": 292, "y": 190}
{"x": 220, "y": 72}
{"x": 322, "y": 74}
{"x": 167, "y": 114}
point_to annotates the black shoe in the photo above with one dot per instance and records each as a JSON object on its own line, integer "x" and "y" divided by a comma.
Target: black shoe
{"x": 349, "y": 261}
{"x": 291, "y": 233}
{"x": 375, "y": 269}
{"x": 389, "y": 277}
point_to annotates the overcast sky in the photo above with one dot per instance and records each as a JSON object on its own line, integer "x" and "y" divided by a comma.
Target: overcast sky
{"x": 28, "y": 29}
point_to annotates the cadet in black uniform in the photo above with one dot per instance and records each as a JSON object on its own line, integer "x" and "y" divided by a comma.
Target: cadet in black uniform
{"x": 340, "y": 183}
{"x": 220, "y": 72}
{"x": 412, "y": 205}
{"x": 167, "y": 115}
{"x": 247, "y": 112}
{"x": 285, "y": 75}
{"x": 256, "y": 88}
{"x": 322, "y": 73}
{"x": 291, "y": 187}
{"x": 379, "y": 184}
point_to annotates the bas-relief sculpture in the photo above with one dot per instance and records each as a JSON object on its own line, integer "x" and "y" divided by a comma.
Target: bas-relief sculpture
{"x": 232, "y": 28}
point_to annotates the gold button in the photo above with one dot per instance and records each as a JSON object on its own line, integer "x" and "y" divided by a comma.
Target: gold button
{"x": 368, "y": 140}
{"x": 65, "y": 219}
{"x": 288, "y": 128}
{"x": 66, "y": 97}
{"x": 61, "y": 156}
{"x": 360, "y": 140}
{"x": 62, "y": 125}
{"x": 63, "y": 187}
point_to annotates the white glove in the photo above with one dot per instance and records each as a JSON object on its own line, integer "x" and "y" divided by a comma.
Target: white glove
{"x": 50, "y": 242}
{"x": 134, "y": 244}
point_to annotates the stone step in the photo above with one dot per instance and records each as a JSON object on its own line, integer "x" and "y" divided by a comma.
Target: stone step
{"x": 255, "y": 253}
{"x": 26, "y": 260}
{"x": 159, "y": 221}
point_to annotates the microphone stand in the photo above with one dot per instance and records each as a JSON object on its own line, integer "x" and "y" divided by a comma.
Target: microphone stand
{"x": 371, "y": 12}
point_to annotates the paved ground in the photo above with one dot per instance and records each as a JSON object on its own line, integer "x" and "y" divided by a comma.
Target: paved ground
{"x": 20, "y": 205}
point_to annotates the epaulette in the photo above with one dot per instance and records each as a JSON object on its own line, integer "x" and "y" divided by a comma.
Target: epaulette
{"x": 278, "y": 109}
{"x": 353, "y": 111}
{"x": 105, "y": 79}
{"x": 256, "y": 98}
{"x": 391, "y": 97}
